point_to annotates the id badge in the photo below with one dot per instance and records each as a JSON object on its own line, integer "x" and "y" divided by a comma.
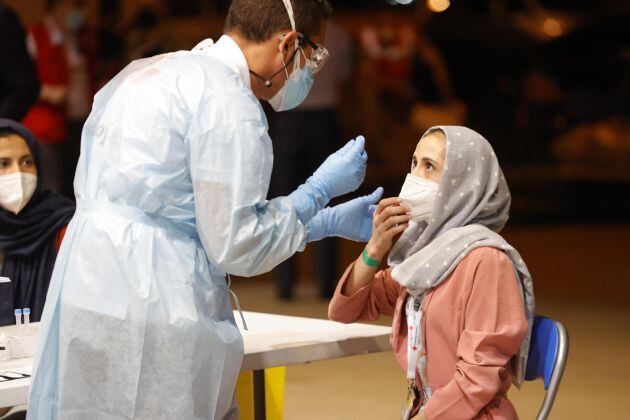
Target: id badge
{"x": 412, "y": 403}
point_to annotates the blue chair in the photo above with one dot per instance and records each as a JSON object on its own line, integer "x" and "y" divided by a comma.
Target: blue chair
{"x": 548, "y": 351}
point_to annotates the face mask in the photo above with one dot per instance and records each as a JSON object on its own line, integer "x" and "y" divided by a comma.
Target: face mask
{"x": 75, "y": 19}
{"x": 16, "y": 190}
{"x": 419, "y": 194}
{"x": 298, "y": 83}
{"x": 295, "y": 89}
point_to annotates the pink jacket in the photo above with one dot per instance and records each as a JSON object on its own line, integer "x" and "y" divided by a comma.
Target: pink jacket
{"x": 474, "y": 323}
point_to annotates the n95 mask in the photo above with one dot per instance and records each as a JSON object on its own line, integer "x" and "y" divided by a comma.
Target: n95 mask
{"x": 16, "y": 190}
{"x": 419, "y": 194}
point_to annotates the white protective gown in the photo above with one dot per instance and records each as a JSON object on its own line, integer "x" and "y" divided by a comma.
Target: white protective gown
{"x": 171, "y": 193}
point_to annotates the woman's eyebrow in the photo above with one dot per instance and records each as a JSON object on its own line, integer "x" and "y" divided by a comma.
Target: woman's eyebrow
{"x": 428, "y": 159}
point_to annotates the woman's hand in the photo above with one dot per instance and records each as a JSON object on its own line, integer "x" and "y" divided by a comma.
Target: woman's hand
{"x": 390, "y": 219}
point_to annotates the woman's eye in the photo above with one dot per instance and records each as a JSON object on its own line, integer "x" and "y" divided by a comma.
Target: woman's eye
{"x": 27, "y": 162}
{"x": 4, "y": 164}
{"x": 428, "y": 167}
{"x": 414, "y": 163}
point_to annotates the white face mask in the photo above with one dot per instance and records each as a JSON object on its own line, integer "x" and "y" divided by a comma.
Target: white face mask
{"x": 419, "y": 194}
{"x": 16, "y": 190}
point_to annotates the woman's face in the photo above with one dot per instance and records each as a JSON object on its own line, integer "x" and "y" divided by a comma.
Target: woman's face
{"x": 428, "y": 159}
{"x": 15, "y": 156}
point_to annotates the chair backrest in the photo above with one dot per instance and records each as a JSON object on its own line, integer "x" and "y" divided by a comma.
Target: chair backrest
{"x": 548, "y": 353}
{"x": 543, "y": 350}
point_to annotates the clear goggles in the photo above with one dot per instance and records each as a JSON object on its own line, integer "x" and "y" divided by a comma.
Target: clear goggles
{"x": 319, "y": 54}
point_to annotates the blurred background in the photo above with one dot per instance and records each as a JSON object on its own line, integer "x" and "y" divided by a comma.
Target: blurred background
{"x": 546, "y": 82}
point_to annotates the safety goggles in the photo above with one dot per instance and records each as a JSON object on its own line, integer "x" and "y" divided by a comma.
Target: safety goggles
{"x": 319, "y": 54}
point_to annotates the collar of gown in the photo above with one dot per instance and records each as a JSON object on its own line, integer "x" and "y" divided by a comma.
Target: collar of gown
{"x": 227, "y": 51}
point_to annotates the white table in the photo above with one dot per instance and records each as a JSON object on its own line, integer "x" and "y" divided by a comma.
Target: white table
{"x": 272, "y": 340}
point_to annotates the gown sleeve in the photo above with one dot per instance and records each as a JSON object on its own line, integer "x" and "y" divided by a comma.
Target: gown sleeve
{"x": 230, "y": 162}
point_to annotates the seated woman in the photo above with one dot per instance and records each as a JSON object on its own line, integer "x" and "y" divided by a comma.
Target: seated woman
{"x": 32, "y": 223}
{"x": 461, "y": 296}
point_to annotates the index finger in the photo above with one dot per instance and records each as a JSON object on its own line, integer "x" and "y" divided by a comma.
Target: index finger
{"x": 386, "y": 202}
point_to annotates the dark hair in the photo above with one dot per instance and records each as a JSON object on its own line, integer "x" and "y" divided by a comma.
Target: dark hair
{"x": 257, "y": 20}
{"x": 6, "y": 132}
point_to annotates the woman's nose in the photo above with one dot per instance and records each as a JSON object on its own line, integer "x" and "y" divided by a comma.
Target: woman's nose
{"x": 417, "y": 171}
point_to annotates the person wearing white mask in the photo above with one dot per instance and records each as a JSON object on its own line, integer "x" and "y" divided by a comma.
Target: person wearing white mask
{"x": 171, "y": 192}
{"x": 461, "y": 297}
{"x": 65, "y": 96}
{"x": 32, "y": 224}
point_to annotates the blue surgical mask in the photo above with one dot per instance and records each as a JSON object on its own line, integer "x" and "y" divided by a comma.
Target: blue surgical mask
{"x": 295, "y": 89}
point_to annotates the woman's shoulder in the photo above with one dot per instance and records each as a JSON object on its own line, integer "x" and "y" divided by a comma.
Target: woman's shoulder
{"x": 484, "y": 263}
{"x": 484, "y": 254}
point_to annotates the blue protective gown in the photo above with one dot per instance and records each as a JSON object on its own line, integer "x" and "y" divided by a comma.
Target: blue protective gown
{"x": 171, "y": 191}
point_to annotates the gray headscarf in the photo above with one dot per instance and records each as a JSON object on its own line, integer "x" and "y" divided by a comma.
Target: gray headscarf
{"x": 471, "y": 207}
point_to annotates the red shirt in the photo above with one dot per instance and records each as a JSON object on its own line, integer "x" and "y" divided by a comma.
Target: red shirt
{"x": 59, "y": 237}
{"x": 47, "y": 121}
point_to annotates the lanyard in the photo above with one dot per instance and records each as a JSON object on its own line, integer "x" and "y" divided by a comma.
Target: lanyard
{"x": 416, "y": 358}
{"x": 414, "y": 335}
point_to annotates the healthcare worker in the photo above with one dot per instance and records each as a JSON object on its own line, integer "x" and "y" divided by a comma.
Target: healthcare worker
{"x": 171, "y": 195}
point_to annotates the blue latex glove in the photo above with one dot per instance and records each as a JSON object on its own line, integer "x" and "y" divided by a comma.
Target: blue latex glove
{"x": 351, "y": 220}
{"x": 341, "y": 173}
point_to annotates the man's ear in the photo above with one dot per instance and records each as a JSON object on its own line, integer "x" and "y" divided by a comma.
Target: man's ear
{"x": 287, "y": 41}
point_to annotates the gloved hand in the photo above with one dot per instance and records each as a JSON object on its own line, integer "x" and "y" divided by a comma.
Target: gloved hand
{"x": 341, "y": 173}
{"x": 351, "y": 220}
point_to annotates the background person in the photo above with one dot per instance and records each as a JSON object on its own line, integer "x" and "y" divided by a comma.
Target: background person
{"x": 32, "y": 223}
{"x": 19, "y": 86}
{"x": 295, "y": 160}
{"x": 65, "y": 98}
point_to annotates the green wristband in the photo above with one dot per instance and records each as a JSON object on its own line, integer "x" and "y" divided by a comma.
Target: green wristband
{"x": 370, "y": 262}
